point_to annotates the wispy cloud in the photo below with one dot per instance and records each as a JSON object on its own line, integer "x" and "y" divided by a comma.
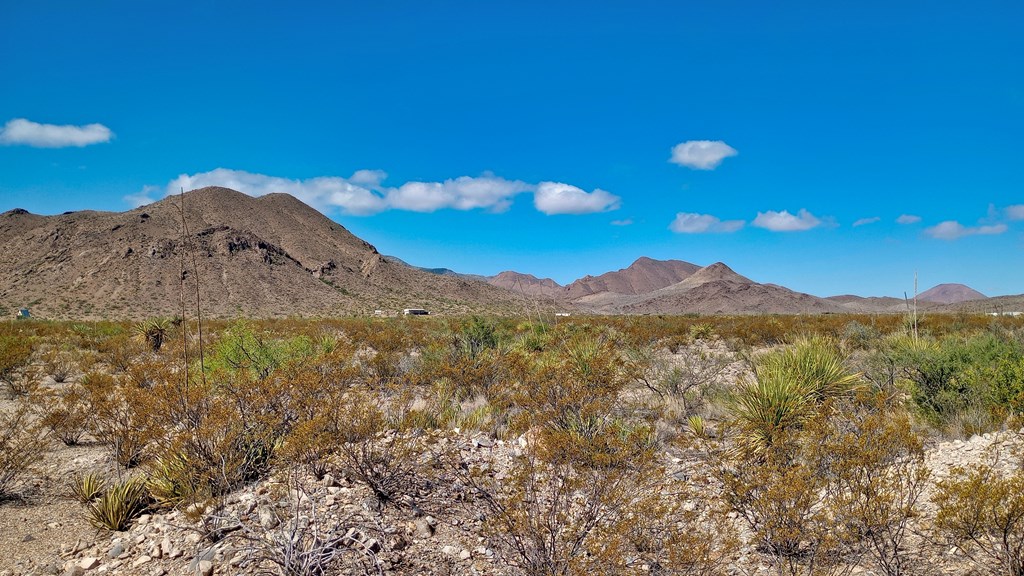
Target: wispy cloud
{"x": 786, "y": 222}
{"x": 866, "y": 221}
{"x": 28, "y": 133}
{"x": 558, "y": 198}
{"x": 951, "y": 230}
{"x": 142, "y": 197}
{"x": 693, "y": 223}
{"x": 701, "y": 154}
{"x": 1015, "y": 212}
{"x": 364, "y": 192}
{"x": 908, "y": 219}
{"x": 625, "y": 222}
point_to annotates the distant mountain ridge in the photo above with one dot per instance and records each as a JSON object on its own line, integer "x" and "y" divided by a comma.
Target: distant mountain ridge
{"x": 275, "y": 256}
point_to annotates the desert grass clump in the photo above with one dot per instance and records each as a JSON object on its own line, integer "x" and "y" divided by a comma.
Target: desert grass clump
{"x": 87, "y": 487}
{"x": 119, "y": 505}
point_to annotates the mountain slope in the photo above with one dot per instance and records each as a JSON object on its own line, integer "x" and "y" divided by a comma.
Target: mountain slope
{"x": 642, "y": 276}
{"x": 266, "y": 256}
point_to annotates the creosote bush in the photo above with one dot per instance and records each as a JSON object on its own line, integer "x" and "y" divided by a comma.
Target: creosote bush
{"x": 21, "y": 447}
{"x": 586, "y": 496}
{"x": 981, "y": 510}
{"x": 15, "y": 353}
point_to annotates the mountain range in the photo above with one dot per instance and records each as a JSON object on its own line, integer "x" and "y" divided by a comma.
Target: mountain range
{"x": 275, "y": 256}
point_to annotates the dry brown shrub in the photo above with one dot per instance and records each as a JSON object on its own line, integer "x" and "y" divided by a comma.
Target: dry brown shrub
{"x": 58, "y": 365}
{"x": 119, "y": 416}
{"x": 375, "y": 447}
{"x": 16, "y": 349}
{"x": 65, "y": 413}
{"x": 21, "y": 446}
{"x": 846, "y": 484}
{"x": 981, "y": 510}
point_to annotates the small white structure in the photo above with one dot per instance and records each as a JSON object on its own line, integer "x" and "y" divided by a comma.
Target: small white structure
{"x": 562, "y": 314}
{"x": 415, "y": 312}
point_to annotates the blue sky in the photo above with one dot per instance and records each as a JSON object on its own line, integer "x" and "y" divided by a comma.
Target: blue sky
{"x": 559, "y": 139}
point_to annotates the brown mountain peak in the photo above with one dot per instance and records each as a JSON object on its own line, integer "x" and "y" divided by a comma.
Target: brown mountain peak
{"x": 950, "y": 294}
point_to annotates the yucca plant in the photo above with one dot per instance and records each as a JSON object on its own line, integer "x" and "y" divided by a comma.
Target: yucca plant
{"x": 170, "y": 480}
{"x": 153, "y": 332}
{"x": 698, "y": 427}
{"x": 789, "y": 386}
{"x": 87, "y": 487}
{"x": 115, "y": 509}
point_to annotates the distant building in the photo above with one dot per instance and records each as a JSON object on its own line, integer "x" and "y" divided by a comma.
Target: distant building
{"x": 23, "y": 314}
{"x": 415, "y": 312}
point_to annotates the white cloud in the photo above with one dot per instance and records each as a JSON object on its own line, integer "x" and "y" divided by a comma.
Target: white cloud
{"x": 28, "y": 133}
{"x": 625, "y": 222}
{"x": 1015, "y": 212}
{"x": 321, "y": 193}
{"x": 701, "y": 154}
{"x": 558, "y": 198}
{"x": 866, "y": 221}
{"x": 463, "y": 193}
{"x": 363, "y": 194}
{"x": 786, "y": 222}
{"x": 951, "y": 230}
{"x": 692, "y": 223}
{"x": 908, "y": 219}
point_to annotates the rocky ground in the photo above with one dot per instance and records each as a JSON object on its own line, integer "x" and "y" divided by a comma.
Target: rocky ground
{"x": 46, "y": 530}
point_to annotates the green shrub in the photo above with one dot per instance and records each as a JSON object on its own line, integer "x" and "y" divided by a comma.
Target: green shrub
{"x": 977, "y": 380}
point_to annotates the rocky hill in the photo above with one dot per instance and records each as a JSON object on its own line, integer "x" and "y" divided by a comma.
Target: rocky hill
{"x": 266, "y": 256}
{"x": 528, "y": 284}
{"x": 643, "y": 276}
{"x": 950, "y": 294}
{"x": 717, "y": 289}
